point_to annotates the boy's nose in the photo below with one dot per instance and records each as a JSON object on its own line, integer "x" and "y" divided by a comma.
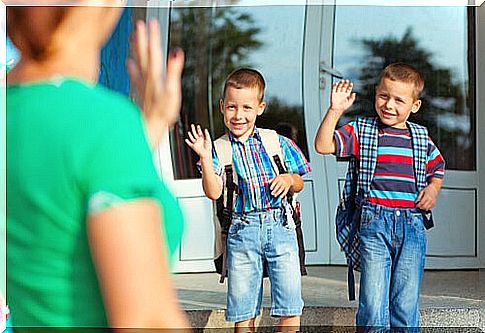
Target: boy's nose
{"x": 390, "y": 104}
{"x": 239, "y": 113}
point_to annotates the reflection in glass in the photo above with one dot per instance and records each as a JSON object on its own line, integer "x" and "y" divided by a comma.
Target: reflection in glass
{"x": 369, "y": 38}
{"x": 218, "y": 40}
{"x": 12, "y": 56}
{"x": 113, "y": 73}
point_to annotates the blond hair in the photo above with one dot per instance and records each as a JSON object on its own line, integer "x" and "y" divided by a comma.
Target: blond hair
{"x": 404, "y": 73}
{"x": 245, "y": 78}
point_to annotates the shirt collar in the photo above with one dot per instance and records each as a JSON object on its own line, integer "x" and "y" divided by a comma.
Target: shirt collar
{"x": 254, "y": 135}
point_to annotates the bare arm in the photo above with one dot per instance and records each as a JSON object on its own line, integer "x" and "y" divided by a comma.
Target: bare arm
{"x": 200, "y": 142}
{"x": 211, "y": 182}
{"x": 298, "y": 183}
{"x": 129, "y": 253}
{"x": 341, "y": 99}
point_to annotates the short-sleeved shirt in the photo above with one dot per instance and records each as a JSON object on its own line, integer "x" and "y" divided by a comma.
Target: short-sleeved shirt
{"x": 394, "y": 182}
{"x": 72, "y": 148}
{"x": 255, "y": 171}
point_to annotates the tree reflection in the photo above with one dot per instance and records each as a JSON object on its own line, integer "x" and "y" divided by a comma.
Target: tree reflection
{"x": 216, "y": 41}
{"x": 277, "y": 112}
{"x": 447, "y": 100}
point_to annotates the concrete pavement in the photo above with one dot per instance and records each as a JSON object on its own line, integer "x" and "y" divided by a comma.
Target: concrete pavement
{"x": 448, "y": 299}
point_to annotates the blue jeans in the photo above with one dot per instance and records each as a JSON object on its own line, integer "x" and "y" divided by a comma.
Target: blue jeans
{"x": 255, "y": 238}
{"x": 393, "y": 250}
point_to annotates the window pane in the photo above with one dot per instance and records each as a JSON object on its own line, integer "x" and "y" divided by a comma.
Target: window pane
{"x": 218, "y": 40}
{"x": 12, "y": 56}
{"x": 433, "y": 39}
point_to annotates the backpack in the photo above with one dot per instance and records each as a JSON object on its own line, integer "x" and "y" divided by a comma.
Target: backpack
{"x": 223, "y": 206}
{"x": 357, "y": 184}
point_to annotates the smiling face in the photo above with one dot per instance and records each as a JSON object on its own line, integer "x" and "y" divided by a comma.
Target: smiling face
{"x": 240, "y": 108}
{"x": 395, "y": 101}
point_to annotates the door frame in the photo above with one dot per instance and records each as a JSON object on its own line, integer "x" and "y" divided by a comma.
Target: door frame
{"x": 191, "y": 189}
{"x": 480, "y": 118}
{"x": 318, "y": 47}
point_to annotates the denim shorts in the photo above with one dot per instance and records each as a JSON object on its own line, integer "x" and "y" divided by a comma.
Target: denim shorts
{"x": 253, "y": 239}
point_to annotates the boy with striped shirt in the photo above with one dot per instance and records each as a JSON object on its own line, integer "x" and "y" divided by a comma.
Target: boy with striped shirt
{"x": 392, "y": 233}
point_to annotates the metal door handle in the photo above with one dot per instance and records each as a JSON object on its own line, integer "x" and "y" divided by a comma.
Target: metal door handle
{"x": 324, "y": 69}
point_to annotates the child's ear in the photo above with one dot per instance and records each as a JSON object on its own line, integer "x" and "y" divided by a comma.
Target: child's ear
{"x": 416, "y": 106}
{"x": 261, "y": 108}
{"x": 221, "y": 105}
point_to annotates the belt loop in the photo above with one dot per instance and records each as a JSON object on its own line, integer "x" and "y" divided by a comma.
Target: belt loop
{"x": 409, "y": 214}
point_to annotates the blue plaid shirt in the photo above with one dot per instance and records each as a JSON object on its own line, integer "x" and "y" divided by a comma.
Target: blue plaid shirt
{"x": 255, "y": 171}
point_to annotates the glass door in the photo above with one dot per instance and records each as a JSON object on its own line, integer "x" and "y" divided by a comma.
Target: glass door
{"x": 276, "y": 41}
{"x": 440, "y": 42}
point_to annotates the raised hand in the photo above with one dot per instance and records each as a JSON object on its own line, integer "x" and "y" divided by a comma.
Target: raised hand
{"x": 342, "y": 97}
{"x": 159, "y": 96}
{"x": 200, "y": 141}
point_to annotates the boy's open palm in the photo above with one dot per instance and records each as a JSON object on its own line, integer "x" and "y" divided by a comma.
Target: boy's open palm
{"x": 200, "y": 141}
{"x": 342, "y": 96}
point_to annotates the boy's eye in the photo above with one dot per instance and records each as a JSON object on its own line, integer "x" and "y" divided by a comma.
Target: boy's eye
{"x": 246, "y": 107}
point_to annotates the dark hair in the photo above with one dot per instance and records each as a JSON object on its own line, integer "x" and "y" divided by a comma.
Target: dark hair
{"x": 404, "y": 73}
{"x": 245, "y": 78}
{"x": 31, "y": 28}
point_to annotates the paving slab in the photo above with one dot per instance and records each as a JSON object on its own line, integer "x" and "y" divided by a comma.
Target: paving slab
{"x": 448, "y": 299}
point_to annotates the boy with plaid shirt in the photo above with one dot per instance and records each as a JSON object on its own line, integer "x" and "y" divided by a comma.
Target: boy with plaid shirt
{"x": 397, "y": 185}
{"x": 261, "y": 231}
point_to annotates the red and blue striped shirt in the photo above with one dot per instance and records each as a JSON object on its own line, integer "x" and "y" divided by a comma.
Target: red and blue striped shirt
{"x": 394, "y": 183}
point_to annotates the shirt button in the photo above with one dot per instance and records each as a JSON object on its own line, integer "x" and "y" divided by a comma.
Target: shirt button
{"x": 398, "y": 213}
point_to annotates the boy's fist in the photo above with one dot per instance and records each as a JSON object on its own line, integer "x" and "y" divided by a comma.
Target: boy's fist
{"x": 200, "y": 141}
{"x": 427, "y": 197}
{"x": 342, "y": 96}
{"x": 281, "y": 184}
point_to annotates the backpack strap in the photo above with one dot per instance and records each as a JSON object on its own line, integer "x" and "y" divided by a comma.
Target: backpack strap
{"x": 359, "y": 177}
{"x": 367, "y": 134}
{"x": 419, "y": 137}
{"x": 224, "y": 154}
{"x": 225, "y": 203}
{"x": 224, "y": 151}
{"x": 357, "y": 186}
{"x": 368, "y": 141}
{"x": 271, "y": 144}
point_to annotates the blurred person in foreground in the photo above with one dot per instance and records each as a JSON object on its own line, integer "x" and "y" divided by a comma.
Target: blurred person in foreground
{"x": 91, "y": 227}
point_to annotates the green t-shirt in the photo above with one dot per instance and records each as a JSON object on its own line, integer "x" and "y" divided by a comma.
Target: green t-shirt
{"x": 71, "y": 148}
